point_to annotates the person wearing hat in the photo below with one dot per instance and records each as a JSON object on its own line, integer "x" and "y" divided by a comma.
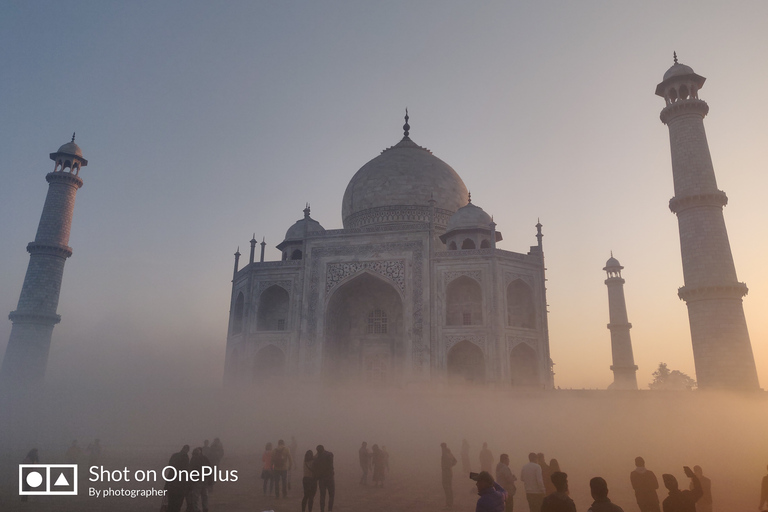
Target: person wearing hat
{"x": 492, "y": 495}
{"x": 681, "y": 501}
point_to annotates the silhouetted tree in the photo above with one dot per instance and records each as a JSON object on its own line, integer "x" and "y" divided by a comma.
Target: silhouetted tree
{"x": 664, "y": 378}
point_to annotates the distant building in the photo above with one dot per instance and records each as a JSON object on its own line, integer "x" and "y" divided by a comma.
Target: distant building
{"x": 412, "y": 289}
{"x": 26, "y": 355}
{"x": 722, "y": 350}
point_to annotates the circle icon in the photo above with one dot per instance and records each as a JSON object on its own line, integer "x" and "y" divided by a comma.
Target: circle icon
{"x": 34, "y": 479}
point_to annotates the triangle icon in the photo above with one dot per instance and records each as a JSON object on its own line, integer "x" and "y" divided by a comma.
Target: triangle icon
{"x": 62, "y": 480}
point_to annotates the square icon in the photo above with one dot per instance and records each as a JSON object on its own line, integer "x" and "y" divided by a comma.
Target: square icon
{"x": 47, "y": 479}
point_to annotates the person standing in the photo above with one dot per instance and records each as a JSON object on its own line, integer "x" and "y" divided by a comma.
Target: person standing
{"x": 486, "y": 458}
{"x": 447, "y": 461}
{"x": 266, "y": 469}
{"x": 531, "y": 476}
{"x": 559, "y": 501}
{"x": 705, "y": 503}
{"x": 293, "y": 448}
{"x": 645, "y": 483}
{"x": 492, "y": 495}
{"x": 546, "y": 474}
{"x": 323, "y": 470}
{"x": 177, "y": 488}
{"x": 507, "y": 480}
{"x": 281, "y": 463}
{"x": 365, "y": 462}
{"x": 681, "y": 501}
{"x": 309, "y": 482}
{"x": 195, "y": 489}
{"x": 217, "y": 451}
{"x": 377, "y": 462}
{"x": 598, "y": 487}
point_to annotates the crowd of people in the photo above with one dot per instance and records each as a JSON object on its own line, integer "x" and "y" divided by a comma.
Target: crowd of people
{"x": 546, "y": 486}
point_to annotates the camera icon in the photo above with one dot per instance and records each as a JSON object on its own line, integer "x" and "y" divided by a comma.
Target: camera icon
{"x": 47, "y": 479}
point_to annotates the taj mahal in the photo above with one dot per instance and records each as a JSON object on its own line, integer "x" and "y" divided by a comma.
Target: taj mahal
{"x": 412, "y": 288}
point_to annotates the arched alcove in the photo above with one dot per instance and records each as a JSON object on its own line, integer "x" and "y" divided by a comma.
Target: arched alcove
{"x": 464, "y": 302}
{"x": 523, "y": 366}
{"x": 296, "y": 254}
{"x": 520, "y": 307}
{"x": 363, "y": 331}
{"x": 452, "y": 246}
{"x": 466, "y": 363}
{"x": 237, "y": 314}
{"x": 485, "y": 244}
{"x": 269, "y": 364}
{"x": 468, "y": 244}
{"x": 273, "y": 309}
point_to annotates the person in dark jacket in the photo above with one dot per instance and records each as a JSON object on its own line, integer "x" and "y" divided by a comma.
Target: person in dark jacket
{"x": 492, "y": 495}
{"x": 645, "y": 483}
{"x": 681, "y": 501}
{"x": 447, "y": 461}
{"x": 323, "y": 470}
{"x": 559, "y": 501}
{"x": 598, "y": 487}
{"x": 177, "y": 488}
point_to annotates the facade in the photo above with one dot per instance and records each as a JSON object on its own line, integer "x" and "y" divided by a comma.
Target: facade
{"x": 412, "y": 289}
{"x": 26, "y": 355}
{"x": 623, "y": 367}
{"x": 722, "y": 350}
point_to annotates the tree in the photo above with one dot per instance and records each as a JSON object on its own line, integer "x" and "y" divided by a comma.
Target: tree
{"x": 666, "y": 379}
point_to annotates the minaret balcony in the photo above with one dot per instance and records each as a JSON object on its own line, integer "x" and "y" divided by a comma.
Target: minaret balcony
{"x": 724, "y": 291}
{"x": 717, "y": 198}
{"x": 687, "y": 106}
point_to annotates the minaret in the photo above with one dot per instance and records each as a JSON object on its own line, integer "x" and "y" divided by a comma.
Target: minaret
{"x": 624, "y": 368}
{"x": 26, "y": 356}
{"x": 722, "y": 351}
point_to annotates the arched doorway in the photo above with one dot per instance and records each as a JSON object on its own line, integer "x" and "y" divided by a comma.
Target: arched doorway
{"x": 524, "y": 366}
{"x": 363, "y": 332}
{"x": 464, "y": 302}
{"x": 520, "y": 308}
{"x": 269, "y": 364}
{"x": 466, "y": 363}
{"x": 273, "y": 309}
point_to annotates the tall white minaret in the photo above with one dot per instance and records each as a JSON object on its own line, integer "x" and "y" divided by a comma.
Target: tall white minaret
{"x": 624, "y": 368}
{"x": 722, "y": 351}
{"x": 26, "y": 356}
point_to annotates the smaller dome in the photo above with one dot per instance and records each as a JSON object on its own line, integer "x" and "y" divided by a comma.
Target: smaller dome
{"x": 678, "y": 69}
{"x": 70, "y": 148}
{"x": 612, "y": 262}
{"x": 469, "y": 217}
{"x": 296, "y": 232}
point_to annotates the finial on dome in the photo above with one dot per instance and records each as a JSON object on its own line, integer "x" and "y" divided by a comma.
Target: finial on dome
{"x": 469, "y": 197}
{"x": 674, "y": 56}
{"x": 73, "y": 136}
{"x": 306, "y": 211}
{"x": 611, "y": 254}
{"x": 406, "y": 126}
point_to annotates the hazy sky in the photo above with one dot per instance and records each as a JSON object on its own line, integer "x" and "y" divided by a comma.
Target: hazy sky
{"x": 204, "y": 122}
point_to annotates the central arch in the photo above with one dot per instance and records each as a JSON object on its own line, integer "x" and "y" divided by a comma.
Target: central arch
{"x": 466, "y": 363}
{"x": 364, "y": 333}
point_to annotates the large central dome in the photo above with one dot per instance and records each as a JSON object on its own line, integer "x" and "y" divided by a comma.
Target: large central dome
{"x": 397, "y": 186}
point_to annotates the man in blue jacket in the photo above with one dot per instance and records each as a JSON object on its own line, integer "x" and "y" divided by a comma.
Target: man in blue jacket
{"x": 492, "y": 495}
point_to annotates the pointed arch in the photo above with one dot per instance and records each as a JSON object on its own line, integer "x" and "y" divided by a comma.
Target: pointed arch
{"x": 452, "y": 246}
{"x": 521, "y": 311}
{"x": 464, "y": 302}
{"x": 524, "y": 366}
{"x": 468, "y": 243}
{"x": 237, "y": 314}
{"x": 296, "y": 254}
{"x": 485, "y": 244}
{"x": 364, "y": 330}
{"x": 466, "y": 363}
{"x": 272, "y": 314}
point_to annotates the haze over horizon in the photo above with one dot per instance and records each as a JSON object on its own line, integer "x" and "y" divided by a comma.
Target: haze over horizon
{"x": 206, "y": 124}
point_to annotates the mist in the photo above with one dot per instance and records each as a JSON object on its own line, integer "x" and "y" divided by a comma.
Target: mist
{"x": 590, "y": 433}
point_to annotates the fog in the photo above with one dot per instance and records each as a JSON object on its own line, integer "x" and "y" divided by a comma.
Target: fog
{"x": 590, "y": 433}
